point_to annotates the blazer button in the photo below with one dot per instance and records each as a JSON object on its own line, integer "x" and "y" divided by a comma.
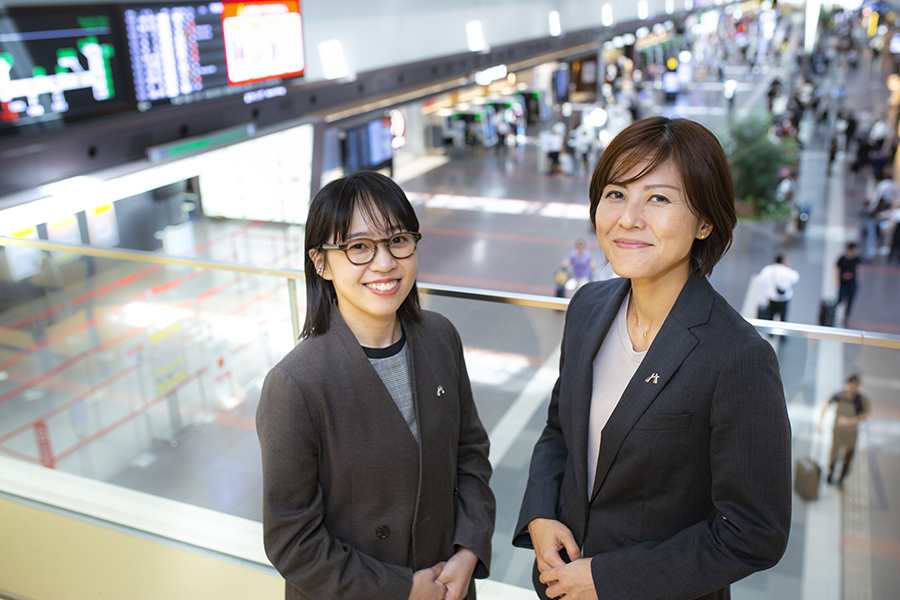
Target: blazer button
{"x": 383, "y": 532}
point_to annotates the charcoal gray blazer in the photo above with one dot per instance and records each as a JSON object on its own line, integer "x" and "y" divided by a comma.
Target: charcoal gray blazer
{"x": 693, "y": 483}
{"x": 352, "y": 504}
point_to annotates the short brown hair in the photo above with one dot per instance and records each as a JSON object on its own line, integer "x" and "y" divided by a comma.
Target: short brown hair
{"x": 700, "y": 160}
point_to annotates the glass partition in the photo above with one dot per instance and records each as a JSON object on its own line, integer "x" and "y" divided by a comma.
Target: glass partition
{"x": 147, "y": 376}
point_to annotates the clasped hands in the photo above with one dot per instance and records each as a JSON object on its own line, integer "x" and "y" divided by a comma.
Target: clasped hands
{"x": 572, "y": 580}
{"x": 446, "y": 580}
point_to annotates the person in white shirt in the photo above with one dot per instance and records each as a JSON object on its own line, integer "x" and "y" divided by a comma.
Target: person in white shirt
{"x": 582, "y": 143}
{"x": 895, "y": 237}
{"x": 778, "y": 280}
{"x": 552, "y": 143}
{"x": 879, "y": 133}
{"x": 875, "y": 219}
{"x": 886, "y": 191}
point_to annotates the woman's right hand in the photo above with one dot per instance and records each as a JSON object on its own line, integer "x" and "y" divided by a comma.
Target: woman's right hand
{"x": 548, "y": 537}
{"x": 426, "y": 586}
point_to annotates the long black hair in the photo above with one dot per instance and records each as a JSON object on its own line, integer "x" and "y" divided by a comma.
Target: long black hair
{"x": 378, "y": 199}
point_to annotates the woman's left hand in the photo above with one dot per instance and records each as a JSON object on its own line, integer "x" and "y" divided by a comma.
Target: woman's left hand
{"x": 573, "y": 580}
{"x": 457, "y": 573}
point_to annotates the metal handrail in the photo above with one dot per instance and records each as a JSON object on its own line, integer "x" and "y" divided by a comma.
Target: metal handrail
{"x": 465, "y": 293}
{"x": 801, "y": 330}
{"x": 836, "y": 334}
{"x": 149, "y": 257}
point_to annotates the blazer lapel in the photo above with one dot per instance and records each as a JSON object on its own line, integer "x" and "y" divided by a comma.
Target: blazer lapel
{"x": 672, "y": 345}
{"x": 422, "y": 379}
{"x": 431, "y": 415}
{"x": 379, "y": 404}
{"x": 598, "y": 325}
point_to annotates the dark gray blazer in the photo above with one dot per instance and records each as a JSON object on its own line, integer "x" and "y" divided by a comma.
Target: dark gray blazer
{"x": 352, "y": 504}
{"x": 693, "y": 483}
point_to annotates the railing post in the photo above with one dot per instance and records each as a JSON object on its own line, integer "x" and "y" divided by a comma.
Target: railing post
{"x": 295, "y": 312}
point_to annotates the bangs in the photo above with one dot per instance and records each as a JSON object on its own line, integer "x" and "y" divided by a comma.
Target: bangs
{"x": 381, "y": 203}
{"x": 658, "y": 154}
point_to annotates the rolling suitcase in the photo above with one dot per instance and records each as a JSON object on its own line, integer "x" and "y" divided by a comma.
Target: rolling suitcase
{"x": 827, "y": 309}
{"x": 807, "y": 474}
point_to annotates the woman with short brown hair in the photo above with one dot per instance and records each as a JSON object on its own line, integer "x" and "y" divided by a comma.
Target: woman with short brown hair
{"x": 664, "y": 468}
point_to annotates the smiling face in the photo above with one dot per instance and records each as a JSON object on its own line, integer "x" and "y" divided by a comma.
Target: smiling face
{"x": 646, "y": 227}
{"x": 368, "y": 295}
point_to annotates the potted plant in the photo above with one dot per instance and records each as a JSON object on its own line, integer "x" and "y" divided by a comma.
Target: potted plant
{"x": 756, "y": 160}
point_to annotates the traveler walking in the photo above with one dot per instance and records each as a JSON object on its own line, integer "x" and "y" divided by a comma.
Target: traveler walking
{"x": 851, "y": 409}
{"x": 895, "y": 235}
{"x": 886, "y": 193}
{"x": 846, "y": 278}
{"x": 581, "y": 263}
{"x": 778, "y": 280}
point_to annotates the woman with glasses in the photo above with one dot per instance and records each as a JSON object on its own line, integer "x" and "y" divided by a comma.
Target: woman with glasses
{"x": 375, "y": 463}
{"x": 663, "y": 470}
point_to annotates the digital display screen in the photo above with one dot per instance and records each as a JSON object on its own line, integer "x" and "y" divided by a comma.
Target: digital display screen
{"x": 561, "y": 85}
{"x": 59, "y": 65}
{"x": 199, "y": 51}
{"x": 380, "y": 137}
{"x": 367, "y": 146}
{"x": 263, "y": 40}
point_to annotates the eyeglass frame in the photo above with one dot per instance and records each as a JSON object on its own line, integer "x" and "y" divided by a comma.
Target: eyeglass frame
{"x": 417, "y": 237}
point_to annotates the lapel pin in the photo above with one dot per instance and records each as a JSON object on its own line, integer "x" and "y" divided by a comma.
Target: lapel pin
{"x": 654, "y": 378}
{"x": 440, "y": 390}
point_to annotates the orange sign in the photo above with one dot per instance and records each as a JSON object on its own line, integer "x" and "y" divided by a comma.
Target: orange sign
{"x": 263, "y": 40}
{"x": 43, "y": 441}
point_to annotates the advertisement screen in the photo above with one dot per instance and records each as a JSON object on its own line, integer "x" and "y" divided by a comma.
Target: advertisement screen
{"x": 59, "y": 65}
{"x": 263, "y": 40}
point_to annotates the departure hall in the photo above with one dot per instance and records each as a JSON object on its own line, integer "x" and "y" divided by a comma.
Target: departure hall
{"x": 157, "y": 164}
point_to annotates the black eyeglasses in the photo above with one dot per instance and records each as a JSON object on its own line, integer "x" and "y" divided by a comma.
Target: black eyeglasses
{"x": 361, "y": 251}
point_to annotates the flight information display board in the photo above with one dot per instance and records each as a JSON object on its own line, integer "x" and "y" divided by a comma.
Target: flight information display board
{"x": 367, "y": 146}
{"x": 59, "y": 65}
{"x": 191, "y": 52}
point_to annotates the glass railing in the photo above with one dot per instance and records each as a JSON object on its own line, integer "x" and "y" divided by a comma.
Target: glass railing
{"x": 136, "y": 376}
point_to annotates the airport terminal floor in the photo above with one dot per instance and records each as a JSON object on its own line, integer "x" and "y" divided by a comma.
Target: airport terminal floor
{"x": 491, "y": 219}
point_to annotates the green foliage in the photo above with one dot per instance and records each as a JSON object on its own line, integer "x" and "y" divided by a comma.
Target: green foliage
{"x": 756, "y": 162}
